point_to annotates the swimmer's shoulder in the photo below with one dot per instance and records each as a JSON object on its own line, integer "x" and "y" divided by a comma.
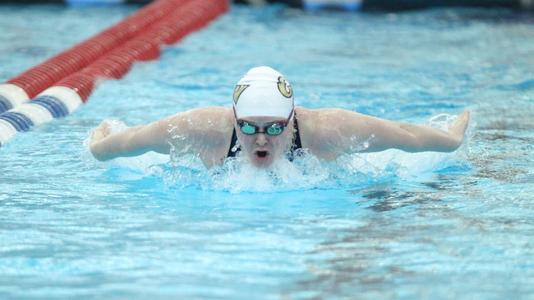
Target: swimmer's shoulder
{"x": 219, "y": 123}
{"x": 208, "y": 126}
{"x": 319, "y": 118}
{"x": 208, "y": 131}
{"x": 204, "y": 118}
{"x": 311, "y": 120}
{"x": 220, "y": 118}
{"x": 317, "y": 127}
{"x": 306, "y": 119}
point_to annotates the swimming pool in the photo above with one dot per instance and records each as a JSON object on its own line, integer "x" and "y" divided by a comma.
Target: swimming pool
{"x": 381, "y": 226}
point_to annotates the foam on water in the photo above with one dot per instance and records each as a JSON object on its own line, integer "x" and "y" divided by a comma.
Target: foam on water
{"x": 305, "y": 172}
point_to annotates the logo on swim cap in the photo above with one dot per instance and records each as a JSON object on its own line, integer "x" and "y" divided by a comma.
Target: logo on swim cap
{"x": 284, "y": 87}
{"x": 238, "y": 91}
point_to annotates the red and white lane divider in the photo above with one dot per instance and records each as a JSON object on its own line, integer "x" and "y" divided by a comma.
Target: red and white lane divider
{"x": 30, "y": 83}
{"x": 69, "y": 93}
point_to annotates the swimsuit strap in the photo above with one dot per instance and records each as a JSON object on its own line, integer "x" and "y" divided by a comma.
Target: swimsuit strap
{"x": 297, "y": 144}
{"x": 232, "y": 145}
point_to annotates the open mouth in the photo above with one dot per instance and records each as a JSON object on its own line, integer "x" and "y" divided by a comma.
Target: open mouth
{"x": 262, "y": 154}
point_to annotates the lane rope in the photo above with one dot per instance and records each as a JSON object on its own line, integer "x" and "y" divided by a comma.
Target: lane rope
{"x": 68, "y": 94}
{"x": 28, "y": 84}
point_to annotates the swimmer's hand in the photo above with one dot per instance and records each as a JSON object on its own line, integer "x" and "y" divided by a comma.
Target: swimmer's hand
{"x": 98, "y": 135}
{"x": 424, "y": 138}
{"x": 458, "y": 127}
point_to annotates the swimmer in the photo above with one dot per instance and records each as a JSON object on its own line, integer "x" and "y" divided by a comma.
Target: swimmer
{"x": 264, "y": 125}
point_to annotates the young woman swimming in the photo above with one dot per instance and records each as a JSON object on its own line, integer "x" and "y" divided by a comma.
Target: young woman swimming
{"x": 264, "y": 125}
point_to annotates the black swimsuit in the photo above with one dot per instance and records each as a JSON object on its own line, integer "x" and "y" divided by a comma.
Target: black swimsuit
{"x": 294, "y": 147}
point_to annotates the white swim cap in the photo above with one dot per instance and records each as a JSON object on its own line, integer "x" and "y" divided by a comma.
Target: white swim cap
{"x": 263, "y": 92}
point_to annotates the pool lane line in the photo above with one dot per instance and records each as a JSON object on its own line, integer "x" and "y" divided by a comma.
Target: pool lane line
{"x": 28, "y": 84}
{"x": 68, "y": 94}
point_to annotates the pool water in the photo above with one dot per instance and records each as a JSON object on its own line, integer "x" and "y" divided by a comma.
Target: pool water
{"x": 388, "y": 225}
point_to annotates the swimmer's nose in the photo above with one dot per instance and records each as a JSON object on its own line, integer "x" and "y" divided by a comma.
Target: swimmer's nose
{"x": 261, "y": 140}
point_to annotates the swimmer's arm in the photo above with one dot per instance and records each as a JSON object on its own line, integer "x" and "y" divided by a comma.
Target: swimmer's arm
{"x": 188, "y": 132}
{"x": 354, "y": 132}
{"x": 131, "y": 142}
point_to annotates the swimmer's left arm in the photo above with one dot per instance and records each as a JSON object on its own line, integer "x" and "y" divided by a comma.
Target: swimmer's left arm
{"x": 354, "y": 132}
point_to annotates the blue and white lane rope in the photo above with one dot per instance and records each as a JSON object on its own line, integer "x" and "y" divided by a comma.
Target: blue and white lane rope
{"x": 11, "y": 96}
{"x": 55, "y": 102}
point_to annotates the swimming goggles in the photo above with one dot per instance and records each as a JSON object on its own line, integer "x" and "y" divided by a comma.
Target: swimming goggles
{"x": 271, "y": 129}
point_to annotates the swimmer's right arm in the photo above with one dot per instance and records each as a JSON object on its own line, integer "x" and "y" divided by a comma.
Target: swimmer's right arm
{"x": 189, "y": 132}
{"x": 137, "y": 140}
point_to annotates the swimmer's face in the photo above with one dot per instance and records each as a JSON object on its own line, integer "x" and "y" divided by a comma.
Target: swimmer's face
{"x": 263, "y": 149}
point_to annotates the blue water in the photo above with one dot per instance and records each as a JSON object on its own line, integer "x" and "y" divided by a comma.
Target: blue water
{"x": 389, "y": 225}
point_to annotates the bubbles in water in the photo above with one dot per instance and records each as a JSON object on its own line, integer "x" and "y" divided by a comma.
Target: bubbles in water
{"x": 441, "y": 121}
{"x": 305, "y": 172}
{"x": 237, "y": 175}
{"x": 358, "y": 146}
